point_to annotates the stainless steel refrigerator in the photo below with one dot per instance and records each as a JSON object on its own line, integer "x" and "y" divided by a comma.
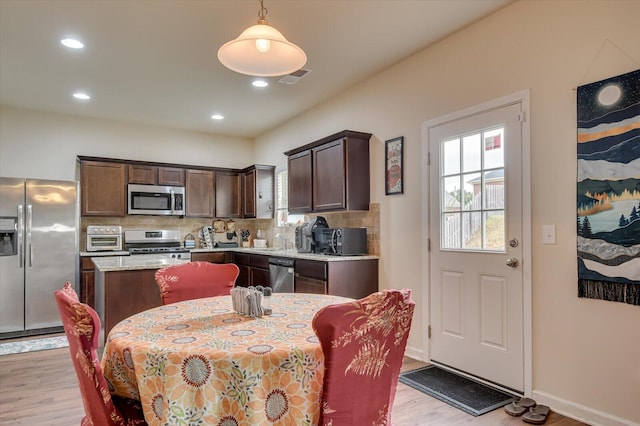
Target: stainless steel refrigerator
{"x": 39, "y": 224}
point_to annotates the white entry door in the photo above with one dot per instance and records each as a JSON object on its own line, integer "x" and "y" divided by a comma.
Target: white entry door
{"x": 475, "y": 215}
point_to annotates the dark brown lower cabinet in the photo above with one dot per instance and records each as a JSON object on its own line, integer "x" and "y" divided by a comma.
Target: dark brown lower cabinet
{"x": 254, "y": 269}
{"x": 348, "y": 278}
{"x": 87, "y": 281}
{"x": 212, "y": 257}
{"x": 127, "y": 293}
{"x": 310, "y": 285}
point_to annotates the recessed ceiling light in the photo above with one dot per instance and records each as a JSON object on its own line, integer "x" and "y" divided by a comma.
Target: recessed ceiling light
{"x": 217, "y": 116}
{"x": 260, "y": 83}
{"x": 82, "y": 96}
{"x": 72, "y": 43}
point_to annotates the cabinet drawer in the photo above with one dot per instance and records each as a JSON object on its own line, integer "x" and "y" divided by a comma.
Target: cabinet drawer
{"x": 87, "y": 263}
{"x": 218, "y": 257}
{"x": 242, "y": 259}
{"x": 311, "y": 269}
{"x": 259, "y": 261}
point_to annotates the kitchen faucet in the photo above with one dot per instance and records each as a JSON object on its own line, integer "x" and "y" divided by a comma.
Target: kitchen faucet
{"x": 283, "y": 240}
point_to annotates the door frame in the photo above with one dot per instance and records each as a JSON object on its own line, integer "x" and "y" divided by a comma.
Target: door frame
{"x": 522, "y": 97}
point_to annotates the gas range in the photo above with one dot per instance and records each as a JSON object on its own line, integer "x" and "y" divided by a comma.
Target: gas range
{"x": 154, "y": 243}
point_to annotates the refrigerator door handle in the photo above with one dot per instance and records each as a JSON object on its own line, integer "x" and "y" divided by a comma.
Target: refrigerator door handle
{"x": 20, "y": 235}
{"x": 29, "y": 224}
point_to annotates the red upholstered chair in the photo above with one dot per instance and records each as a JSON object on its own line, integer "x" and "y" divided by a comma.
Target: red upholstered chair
{"x": 363, "y": 344}
{"x": 195, "y": 280}
{"x": 82, "y": 327}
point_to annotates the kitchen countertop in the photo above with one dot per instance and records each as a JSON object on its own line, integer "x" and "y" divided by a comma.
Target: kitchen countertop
{"x": 292, "y": 254}
{"x": 132, "y": 263}
{"x": 121, "y": 261}
{"x": 103, "y": 253}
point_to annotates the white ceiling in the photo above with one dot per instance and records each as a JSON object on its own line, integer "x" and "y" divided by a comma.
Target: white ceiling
{"x": 155, "y": 61}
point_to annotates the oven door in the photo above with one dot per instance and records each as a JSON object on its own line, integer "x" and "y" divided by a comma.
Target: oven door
{"x": 104, "y": 242}
{"x": 156, "y": 200}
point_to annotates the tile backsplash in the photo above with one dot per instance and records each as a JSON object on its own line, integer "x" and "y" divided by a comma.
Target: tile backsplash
{"x": 352, "y": 219}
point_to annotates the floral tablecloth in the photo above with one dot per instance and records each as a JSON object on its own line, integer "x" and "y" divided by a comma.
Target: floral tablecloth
{"x": 199, "y": 362}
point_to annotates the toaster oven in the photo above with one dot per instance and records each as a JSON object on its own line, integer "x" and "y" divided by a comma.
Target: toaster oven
{"x": 104, "y": 238}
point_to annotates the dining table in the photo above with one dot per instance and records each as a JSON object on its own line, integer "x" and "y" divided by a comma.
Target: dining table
{"x": 199, "y": 362}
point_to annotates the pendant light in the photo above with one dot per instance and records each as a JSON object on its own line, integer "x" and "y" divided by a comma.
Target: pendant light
{"x": 262, "y": 51}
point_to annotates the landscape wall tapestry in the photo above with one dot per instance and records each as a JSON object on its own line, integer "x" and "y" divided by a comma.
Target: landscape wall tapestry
{"x": 608, "y": 202}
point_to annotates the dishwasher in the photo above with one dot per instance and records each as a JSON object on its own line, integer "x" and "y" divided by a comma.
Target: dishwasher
{"x": 281, "y": 274}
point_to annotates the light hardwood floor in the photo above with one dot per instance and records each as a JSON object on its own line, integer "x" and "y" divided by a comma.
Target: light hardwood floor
{"x": 40, "y": 388}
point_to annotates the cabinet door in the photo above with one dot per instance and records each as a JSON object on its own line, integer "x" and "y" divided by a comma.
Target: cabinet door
{"x": 171, "y": 176}
{"x": 103, "y": 188}
{"x": 127, "y": 293}
{"x": 300, "y": 182}
{"x": 199, "y": 193}
{"x": 310, "y": 285}
{"x": 260, "y": 277}
{"x": 249, "y": 194}
{"x": 143, "y": 175}
{"x": 329, "y": 177}
{"x": 244, "y": 277}
{"x": 228, "y": 194}
{"x": 87, "y": 281}
{"x": 265, "y": 192}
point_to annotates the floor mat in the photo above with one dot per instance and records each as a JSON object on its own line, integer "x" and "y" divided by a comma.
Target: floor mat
{"x": 465, "y": 394}
{"x": 32, "y": 345}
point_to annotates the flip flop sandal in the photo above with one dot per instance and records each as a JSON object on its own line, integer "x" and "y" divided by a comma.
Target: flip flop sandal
{"x": 537, "y": 415}
{"x": 519, "y": 406}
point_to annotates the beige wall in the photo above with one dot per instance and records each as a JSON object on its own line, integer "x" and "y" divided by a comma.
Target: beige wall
{"x": 586, "y": 353}
{"x": 44, "y": 145}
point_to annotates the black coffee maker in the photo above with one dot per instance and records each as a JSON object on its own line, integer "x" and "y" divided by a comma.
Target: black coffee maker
{"x": 305, "y": 238}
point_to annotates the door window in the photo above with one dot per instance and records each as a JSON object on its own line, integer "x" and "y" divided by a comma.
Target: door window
{"x": 472, "y": 191}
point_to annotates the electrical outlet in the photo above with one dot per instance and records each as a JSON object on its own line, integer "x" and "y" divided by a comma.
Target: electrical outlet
{"x": 548, "y": 234}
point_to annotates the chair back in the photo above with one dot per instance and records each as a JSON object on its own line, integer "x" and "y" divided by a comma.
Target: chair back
{"x": 82, "y": 327}
{"x": 195, "y": 280}
{"x": 363, "y": 344}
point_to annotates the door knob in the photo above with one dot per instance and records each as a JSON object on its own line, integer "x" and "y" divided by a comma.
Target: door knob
{"x": 513, "y": 262}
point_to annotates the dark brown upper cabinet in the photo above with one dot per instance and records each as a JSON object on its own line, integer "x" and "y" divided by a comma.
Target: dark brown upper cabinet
{"x": 258, "y": 192}
{"x": 300, "y": 166}
{"x": 143, "y": 175}
{"x": 209, "y": 191}
{"x": 153, "y": 175}
{"x": 171, "y": 176}
{"x": 228, "y": 194}
{"x": 199, "y": 193}
{"x": 103, "y": 188}
{"x": 330, "y": 174}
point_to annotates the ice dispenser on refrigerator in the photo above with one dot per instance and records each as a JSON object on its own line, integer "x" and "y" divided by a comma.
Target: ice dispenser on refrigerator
{"x": 8, "y": 236}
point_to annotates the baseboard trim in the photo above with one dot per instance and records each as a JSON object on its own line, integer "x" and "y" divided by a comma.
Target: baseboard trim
{"x": 414, "y": 353}
{"x": 580, "y": 412}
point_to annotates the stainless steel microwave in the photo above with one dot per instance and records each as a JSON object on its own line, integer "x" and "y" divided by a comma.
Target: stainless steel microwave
{"x": 156, "y": 200}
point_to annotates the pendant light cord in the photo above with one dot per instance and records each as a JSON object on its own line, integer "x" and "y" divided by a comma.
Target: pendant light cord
{"x": 262, "y": 13}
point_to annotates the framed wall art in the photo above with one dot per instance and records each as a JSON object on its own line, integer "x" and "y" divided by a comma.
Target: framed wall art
{"x": 608, "y": 204}
{"x": 394, "y": 166}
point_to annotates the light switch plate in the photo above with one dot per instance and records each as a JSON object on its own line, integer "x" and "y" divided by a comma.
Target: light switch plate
{"x": 548, "y": 234}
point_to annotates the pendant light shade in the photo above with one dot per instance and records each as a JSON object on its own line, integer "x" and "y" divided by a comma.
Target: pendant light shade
{"x": 262, "y": 51}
